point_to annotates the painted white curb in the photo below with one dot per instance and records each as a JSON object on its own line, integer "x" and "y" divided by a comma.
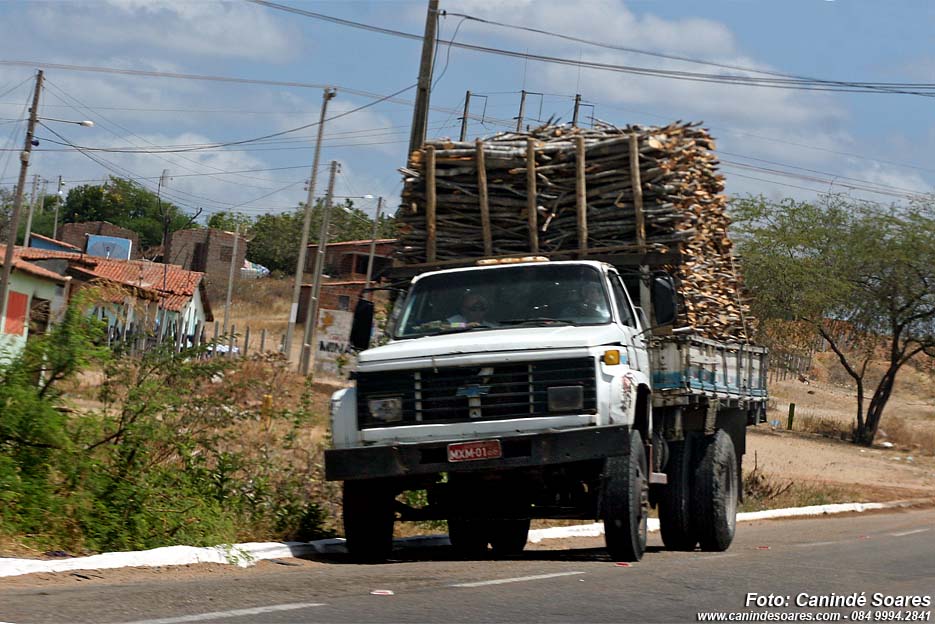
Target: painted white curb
{"x": 247, "y": 554}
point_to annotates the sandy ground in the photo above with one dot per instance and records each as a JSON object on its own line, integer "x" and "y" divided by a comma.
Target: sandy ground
{"x": 802, "y": 457}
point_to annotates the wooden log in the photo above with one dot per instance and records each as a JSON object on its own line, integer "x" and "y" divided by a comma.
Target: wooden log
{"x": 581, "y": 194}
{"x": 483, "y": 199}
{"x": 430, "y": 203}
{"x": 637, "y": 191}
{"x": 532, "y": 213}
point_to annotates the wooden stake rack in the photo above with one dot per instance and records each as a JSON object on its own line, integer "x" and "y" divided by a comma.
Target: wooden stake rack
{"x": 645, "y": 194}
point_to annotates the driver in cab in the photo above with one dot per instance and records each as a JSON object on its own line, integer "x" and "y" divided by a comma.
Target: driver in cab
{"x": 473, "y": 310}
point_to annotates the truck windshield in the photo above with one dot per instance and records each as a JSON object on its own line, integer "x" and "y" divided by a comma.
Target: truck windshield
{"x": 509, "y": 296}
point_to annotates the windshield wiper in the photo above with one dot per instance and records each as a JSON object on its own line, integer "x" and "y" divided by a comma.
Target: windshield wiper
{"x": 458, "y": 330}
{"x": 540, "y": 320}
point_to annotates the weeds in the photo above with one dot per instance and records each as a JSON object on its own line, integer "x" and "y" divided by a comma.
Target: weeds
{"x": 181, "y": 451}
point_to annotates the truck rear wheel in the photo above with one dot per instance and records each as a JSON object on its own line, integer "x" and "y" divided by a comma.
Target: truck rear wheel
{"x": 468, "y": 537}
{"x": 715, "y": 492}
{"x": 675, "y": 520}
{"x": 625, "y": 502}
{"x": 368, "y": 520}
{"x": 508, "y": 536}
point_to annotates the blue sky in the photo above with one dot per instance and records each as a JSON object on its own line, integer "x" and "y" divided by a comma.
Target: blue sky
{"x": 776, "y": 142}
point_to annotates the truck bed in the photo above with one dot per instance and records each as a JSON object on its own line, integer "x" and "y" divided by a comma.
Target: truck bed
{"x": 687, "y": 367}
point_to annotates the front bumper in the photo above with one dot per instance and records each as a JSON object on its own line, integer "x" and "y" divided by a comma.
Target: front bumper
{"x": 519, "y": 451}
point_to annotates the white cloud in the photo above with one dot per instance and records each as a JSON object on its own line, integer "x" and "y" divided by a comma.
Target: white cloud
{"x": 220, "y": 29}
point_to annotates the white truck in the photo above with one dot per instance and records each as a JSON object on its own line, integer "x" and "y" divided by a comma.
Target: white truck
{"x": 512, "y": 390}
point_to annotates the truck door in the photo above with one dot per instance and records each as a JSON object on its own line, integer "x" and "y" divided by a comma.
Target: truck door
{"x": 636, "y": 349}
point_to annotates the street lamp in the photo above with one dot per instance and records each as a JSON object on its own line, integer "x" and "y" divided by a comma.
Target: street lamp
{"x": 87, "y": 123}
{"x": 30, "y": 142}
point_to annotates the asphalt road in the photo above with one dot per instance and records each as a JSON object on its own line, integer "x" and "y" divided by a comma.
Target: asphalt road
{"x": 892, "y": 554}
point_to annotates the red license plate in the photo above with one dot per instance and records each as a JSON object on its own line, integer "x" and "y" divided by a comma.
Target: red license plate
{"x": 473, "y": 451}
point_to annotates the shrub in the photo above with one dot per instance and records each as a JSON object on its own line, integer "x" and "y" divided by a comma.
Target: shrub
{"x": 179, "y": 452}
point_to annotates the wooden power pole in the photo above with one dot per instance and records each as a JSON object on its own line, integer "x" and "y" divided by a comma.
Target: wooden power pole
{"x": 420, "y": 111}
{"x": 18, "y": 199}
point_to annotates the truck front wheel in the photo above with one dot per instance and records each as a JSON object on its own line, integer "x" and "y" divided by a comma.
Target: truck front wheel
{"x": 468, "y": 537}
{"x": 508, "y": 536}
{"x": 368, "y": 520}
{"x": 675, "y": 520}
{"x": 625, "y": 502}
{"x": 715, "y": 492}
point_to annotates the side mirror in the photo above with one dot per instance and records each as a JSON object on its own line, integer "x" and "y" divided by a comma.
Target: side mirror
{"x": 665, "y": 299}
{"x": 362, "y": 327}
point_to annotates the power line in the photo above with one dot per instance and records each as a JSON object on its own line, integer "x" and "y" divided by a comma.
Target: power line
{"x": 673, "y": 57}
{"x": 244, "y": 141}
{"x": 780, "y": 82}
{"x": 101, "y": 117}
{"x": 215, "y": 78}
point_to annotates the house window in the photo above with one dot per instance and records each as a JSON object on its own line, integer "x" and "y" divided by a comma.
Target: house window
{"x": 344, "y": 302}
{"x": 227, "y": 253}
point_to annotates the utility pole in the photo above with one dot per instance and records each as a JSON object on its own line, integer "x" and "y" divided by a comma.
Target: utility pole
{"x": 58, "y": 203}
{"x": 574, "y": 119}
{"x": 306, "y": 225}
{"x": 464, "y": 118}
{"x": 163, "y": 179}
{"x": 230, "y": 279}
{"x": 32, "y": 208}
{"x": 522, "y": 110}
{"x": 311, "y": 312}
{"x": 373, "y": 241}
{"x": 420, "y": 111}
{"x": 18, "y": 199}
{"x": 42, "y": 193}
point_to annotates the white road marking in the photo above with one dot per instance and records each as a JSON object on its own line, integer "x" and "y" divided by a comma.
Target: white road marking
{"x": 217, "y": 615}
{"x": 518, "y": 579}
{"x": 810, "y": 544}
{"x": 905, "y": 533}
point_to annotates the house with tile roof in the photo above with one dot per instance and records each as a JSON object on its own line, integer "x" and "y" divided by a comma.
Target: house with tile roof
{"x": 36, "y": 300}
{"x": 137, "y": 293}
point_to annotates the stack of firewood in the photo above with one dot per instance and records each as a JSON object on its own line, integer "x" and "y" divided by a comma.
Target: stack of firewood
{"x": 561, "y": 190}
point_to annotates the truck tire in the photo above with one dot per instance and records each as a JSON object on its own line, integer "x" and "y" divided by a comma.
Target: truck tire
{"x": 468, "y": 537}
{"x": 508, "y": 536}
{"x": 368, "y": 520}
{"x": 625, "y": 502}
{"x": 715, "y": 492}
{"x": 675, "y": 512}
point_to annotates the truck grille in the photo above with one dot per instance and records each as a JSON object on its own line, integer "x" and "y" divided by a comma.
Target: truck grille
{"x": 466, "y": 393}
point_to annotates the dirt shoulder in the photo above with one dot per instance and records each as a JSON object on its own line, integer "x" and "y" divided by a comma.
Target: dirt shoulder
{"x": 883, "y": 474}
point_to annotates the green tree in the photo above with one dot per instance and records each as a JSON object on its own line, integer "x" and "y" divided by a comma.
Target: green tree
{"x": 275, "y": 238}
{"x": 127, "y": 204}
{"x": 6, "y": 210}
{"x": 230, "y": 221}
{"x": 846, "y": 260}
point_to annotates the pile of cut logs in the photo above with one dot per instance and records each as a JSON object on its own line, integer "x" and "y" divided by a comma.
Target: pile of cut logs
{"x": 562, "y": 191}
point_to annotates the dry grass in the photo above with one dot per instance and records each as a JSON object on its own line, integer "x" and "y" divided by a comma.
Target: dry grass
{"x": 766, "y": 491}
{"x": 907, "y": 436}
{"x": 260, "y": 304}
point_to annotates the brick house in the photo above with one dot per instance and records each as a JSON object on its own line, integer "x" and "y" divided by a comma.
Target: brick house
{"x": 348, "y": 260}
{"x": 76, "y": 234}
{"x": 345, "y": 272}
{"x": 208, "y": 251}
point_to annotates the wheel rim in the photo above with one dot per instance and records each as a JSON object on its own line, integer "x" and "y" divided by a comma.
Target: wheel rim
{"x": 730, "y": 483}
{"x": 644, "y": 502}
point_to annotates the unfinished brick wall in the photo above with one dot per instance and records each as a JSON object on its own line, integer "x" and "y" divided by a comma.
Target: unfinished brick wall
{"x": 348, "y": 260}
{"x": 207, "y": 250}
{"x": 334, "y": 296}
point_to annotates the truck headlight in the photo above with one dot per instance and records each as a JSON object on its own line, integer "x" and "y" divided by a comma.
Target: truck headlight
{"x": 387, "y": 409}
{"x": 566, "y": 398}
